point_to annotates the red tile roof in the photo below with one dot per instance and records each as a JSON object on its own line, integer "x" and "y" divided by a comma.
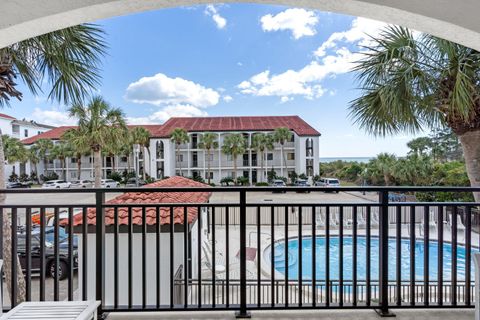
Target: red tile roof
{"x": 6, "y": 116}
{"x": 203, "y": 124}
{"x": 154, "y": 198}
{"x": 260, "y": 123}
{"x": 56, "y": 134}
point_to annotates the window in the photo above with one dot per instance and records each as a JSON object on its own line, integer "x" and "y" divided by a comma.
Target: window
{"x": 290, "y": 156}
{"x": 26, "y": 133}
{"x": 194, "y": 141}
{"x": 16, "y": 129}
{"x": 73, "y": 174}
{"x": 160, "y": 150}
{"x": 38, "y": 132}
{"x": 90, "y": 159}
{"x": 50, "y": 161}
{"x": 180, "y": 158}
{"x": 208, "y": 174}
{"x": 269, "y": 156}
{"x": 309, "y": 147}
{"x": 124, "y": 159}
{"x": 292, "y": 138}
{"x": 309, "y": 167}
{"x": 73, "y": 160}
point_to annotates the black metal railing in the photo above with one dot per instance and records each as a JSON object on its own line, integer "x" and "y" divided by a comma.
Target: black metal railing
{"x": 245, "y": 253}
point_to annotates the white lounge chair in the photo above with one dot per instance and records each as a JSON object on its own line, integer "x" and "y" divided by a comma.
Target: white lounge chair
{"x": 320, "y": 219}
{"x": 208, "y": 262}
{"x": 432, "y": 223}
{"x": 361, "y": 221}
{"x": 74, "y": 310}
{"x": 334, "y": 219}
{"x": 375, "y": 219}
{"x": 460, "y": 225}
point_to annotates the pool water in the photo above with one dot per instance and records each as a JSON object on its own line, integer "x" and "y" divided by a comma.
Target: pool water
{"x": 293, "y": 270}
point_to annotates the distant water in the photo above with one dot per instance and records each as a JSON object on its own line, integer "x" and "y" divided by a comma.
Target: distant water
{"x": 347, "y": 159}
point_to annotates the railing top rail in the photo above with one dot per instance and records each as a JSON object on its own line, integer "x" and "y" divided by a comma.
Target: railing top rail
{"x": 250, "y": 189}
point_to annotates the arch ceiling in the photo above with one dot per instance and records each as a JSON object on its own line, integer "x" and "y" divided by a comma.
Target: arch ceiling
{"x": 453, "y": 20}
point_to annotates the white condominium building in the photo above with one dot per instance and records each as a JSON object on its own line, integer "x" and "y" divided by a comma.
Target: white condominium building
{"x": 301, "y": 153}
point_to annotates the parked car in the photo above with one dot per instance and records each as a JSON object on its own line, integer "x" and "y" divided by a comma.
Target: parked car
{"x": 17, "y": 185}
{"x": 82, "y": 184}
{"x": 56, "y": 184}
{"x": 49, "y": 250}
{"x": 302, "y": 183}
{"x": 109, "y": 183}
{"x": 279, "y": 184}
{"x": 328, "y": 182}
{"x": 132, "y": 182}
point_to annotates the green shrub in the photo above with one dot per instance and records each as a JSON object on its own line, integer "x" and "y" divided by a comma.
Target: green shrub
{"x": 49, "y": 176}
{"x": 13, "y": 177}
{"x": 115, "y": 176}
{"x": 244, "y": 181}
{"x": 227, "y": 181}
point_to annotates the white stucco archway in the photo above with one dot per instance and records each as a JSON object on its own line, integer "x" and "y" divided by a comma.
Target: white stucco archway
{"x": 453, "y": 20}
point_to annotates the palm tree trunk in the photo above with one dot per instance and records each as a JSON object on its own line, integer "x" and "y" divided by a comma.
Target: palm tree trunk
{"x": 35, "y": 169}
{"x": 45, "y": 163}
{"x": 79, "y": 166}
{"x": 235, "y": 169}
{"x": 209, "y": 165}
{"x": 7, "y": 239}
{"x": 64, "y": 172}
{"x": 261, "y": 163}
{"x": 471, "y": 150}
{"x": 97, "y": 162}
{"x": 129, "y": 167}
{"x": 178, "y": 159}
{"x": 283, "y": 160}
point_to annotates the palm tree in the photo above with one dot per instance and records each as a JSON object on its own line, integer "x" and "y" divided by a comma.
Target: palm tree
{"x": 98, "y": 125}
{"x": 412, "y": 82}
{"x": 234, "y": 145}
{"x": 262, "y": 142}
{"x": 33, "y": 158}
{"x": 14, "y": 150}
{"x": 179, "y": 136}
{"x": 282, "y": 135}
{"x": 141, "y": 136}
{"x": 68, "y": 60}
{"x": 384, "y": 165}
{"x": 208, "y": 141}
{"x": 78, "y": 146}
{"x": 61, "y": 151}
{"x": 44, "y": 147}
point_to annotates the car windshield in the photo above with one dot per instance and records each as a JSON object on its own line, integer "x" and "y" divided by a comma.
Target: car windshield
{"x": 278, "y": 183}
{"x": 333, "y": 181}
{"x": 302, "y": 183}
{"x": 50, "y": 235}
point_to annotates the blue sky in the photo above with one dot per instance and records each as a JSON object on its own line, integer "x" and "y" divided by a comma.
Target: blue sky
{"x": 235, "y": 59}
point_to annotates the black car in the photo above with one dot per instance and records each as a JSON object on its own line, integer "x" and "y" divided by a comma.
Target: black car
{"x": 49, "y": 250}
{"x": 17, "y": 185}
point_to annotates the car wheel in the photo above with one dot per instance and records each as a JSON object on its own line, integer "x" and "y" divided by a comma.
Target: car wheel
{"x": 62, "y": 270}
{"x": 57, "y": 187}
{"x": 108, "y": 186}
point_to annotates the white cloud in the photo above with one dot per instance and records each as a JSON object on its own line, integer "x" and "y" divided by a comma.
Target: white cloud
{"x": 212, "y": 11}
{"x": 300, "y": 22}
{"x": 227, "y": 98}
{"x": 160, "y": 90}
{"x": 180, "y": 110}
{"x": 361, "y": 31}
{"x": 307, "y": 81}
{"x": 54, "y": 117}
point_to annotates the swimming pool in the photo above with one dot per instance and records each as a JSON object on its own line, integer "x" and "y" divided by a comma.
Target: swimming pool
{"x": 279, "y": 258}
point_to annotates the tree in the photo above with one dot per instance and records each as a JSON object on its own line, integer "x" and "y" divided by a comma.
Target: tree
{"x": 33, "y": 158}
{"x": 79, "y": 148}
{"x": 411, "y": 82}
{"x": 98, "y": 125}
{"x": 234, "y": 145}
{"x": 44, "y": 147}
{"x": 141, "y": 136}
{"x": 384, "y": 165}
{"x": 61, "y": 151}
{"x": 420, "y": 146}
{"x": 126, "y": 148}
{"x": 208, "y": 142}
{"x": 262, "y": 142}
{"x": 281, "y": 136}
{"x": 66, "y": 61}
{"x": 14, "y": 150}
{"x": 179, "y": 136}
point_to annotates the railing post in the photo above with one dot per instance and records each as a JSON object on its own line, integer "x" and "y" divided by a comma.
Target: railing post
{"x": 100, "y": 249}
{"x": 243, "y": 313}
{"x": 383, "y": 255}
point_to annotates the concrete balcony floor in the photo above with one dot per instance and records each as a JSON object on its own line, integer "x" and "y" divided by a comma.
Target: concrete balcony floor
{"x": 417, "y": 314}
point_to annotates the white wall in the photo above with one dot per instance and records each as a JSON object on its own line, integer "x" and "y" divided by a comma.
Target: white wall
{"x": 136, "y": 267}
